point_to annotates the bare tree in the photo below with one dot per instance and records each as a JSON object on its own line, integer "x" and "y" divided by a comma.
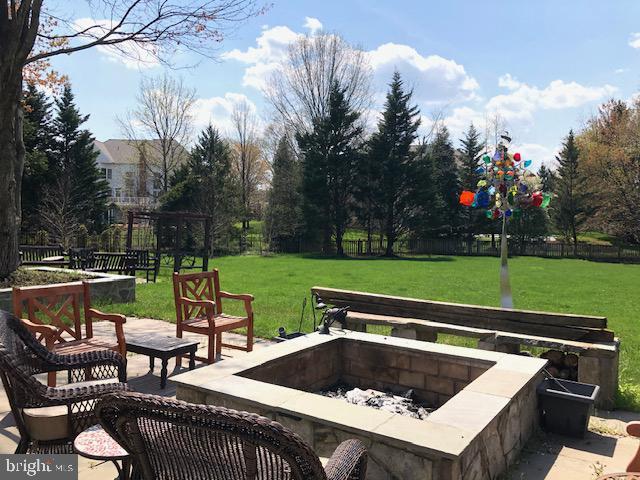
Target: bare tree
{"x": 161, "y": 125}
{"x": 58, "y": 214}
{"x": 250, "y": 163}
{"x": 157, "y": 27}
{"x": 299, "y": 90}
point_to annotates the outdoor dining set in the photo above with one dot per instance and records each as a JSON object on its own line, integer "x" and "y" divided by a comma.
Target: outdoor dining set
{"x": 96, "y": 414}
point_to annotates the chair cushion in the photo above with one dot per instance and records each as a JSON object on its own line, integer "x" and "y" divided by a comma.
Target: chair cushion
{"x": 47, "y": 423}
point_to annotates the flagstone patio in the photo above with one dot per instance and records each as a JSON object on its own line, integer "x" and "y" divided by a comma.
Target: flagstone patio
{"x": 605, "y": 449}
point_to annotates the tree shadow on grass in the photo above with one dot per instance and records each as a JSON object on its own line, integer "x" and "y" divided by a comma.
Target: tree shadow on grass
{"x": 318, "y": 256}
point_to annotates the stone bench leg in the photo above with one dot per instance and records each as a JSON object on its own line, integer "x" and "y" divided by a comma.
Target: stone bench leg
{"x": 490, "y": 343}
{"x": 427, "y": 335}
{"x": 600, "y": 369}
{"x": 356, "y": 327}
{"x": 404, "y": 332}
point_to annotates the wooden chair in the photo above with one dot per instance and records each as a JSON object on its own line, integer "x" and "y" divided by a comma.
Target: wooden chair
{"x": 198, "y": 300}
{"x": 53, "y": 316}
{"x": 174, "y": 440}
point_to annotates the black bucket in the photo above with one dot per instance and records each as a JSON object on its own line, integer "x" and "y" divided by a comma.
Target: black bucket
{"x": 566, "y": 412}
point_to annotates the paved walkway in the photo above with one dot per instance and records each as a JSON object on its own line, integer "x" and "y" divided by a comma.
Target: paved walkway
{"x": 605, "y": 449}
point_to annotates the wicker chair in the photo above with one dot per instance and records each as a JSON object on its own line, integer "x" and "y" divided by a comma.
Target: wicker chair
{"x": 170, "y": 439}
{"x": 48, "y": 419}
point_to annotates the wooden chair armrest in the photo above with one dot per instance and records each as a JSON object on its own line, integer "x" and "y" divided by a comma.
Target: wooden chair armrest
{"x": 197, "y": 303}
{"x": 237, "y": 296}
{"x": 633, "y": 429}
{"x": 45, "y": 330}
{"x": 48, "y": 332}
{"x": 112, "y": 317}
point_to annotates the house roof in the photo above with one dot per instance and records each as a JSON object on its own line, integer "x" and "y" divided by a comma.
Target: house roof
{"x": 125, "y": 152}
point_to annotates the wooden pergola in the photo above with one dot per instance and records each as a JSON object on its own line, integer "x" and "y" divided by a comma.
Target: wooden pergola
{"x": 171, "y": 234}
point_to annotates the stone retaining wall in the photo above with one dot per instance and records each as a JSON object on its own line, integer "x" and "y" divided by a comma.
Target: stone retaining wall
{"x": 105, "y": 287}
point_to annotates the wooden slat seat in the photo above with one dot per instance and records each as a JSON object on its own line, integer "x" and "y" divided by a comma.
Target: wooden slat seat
{"x": 556, "y": 325}
{"x": 223, "y": 322}
{"x": 86, "y": 345}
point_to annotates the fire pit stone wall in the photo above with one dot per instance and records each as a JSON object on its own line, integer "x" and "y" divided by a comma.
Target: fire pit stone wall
{"x": 486, "y": 401}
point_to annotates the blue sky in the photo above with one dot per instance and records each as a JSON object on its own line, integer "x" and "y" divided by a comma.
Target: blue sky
{"x": 543, "y": 65}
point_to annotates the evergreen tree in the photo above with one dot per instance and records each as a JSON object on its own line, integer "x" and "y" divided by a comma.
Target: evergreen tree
{"x": 447, "y": 180}
{"x": 38, "y": 141}
{"x": 547, "y": 178}
{"x": 393, "y": 161}
{"x": 283, "y": 219}
{"x": 532, "y": 223}
{"x": 206, "y": 184}
{"x": 568, "y": 211}
{"x": 74, "y": 159}
{"x": 329, "y": 157}
{"x": 365, "y": 193}
{"x": 470, "y": 151}
{"x": 426, "y": 204}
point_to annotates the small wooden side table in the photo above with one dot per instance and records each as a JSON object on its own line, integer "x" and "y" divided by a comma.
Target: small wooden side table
{"x": 163, "y": 348}
{"x": 96, "y": 444}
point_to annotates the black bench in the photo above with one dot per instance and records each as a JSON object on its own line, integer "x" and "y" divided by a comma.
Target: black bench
{"x": 42, "y": 255}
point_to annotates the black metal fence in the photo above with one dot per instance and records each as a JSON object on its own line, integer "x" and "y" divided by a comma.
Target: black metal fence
{"x": 254, "y": 243}
{"x": 461, "y": 247}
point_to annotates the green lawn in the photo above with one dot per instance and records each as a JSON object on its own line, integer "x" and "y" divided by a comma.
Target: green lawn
{"x": 279, "y": 283}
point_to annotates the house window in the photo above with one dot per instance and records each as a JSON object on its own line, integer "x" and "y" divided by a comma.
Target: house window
{"x": 106, "y": 173}
{"x": 118, "y": 192}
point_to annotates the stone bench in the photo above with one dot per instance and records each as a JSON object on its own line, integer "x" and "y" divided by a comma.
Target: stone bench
{"x": 504, "y": 330}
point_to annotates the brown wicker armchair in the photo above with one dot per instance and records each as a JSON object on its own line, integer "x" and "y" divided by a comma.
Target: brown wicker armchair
{"x": 48, "y": 419}
{"x": 170, "y": 439}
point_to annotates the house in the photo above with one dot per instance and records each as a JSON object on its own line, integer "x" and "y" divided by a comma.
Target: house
{"x": 132, "y": 168}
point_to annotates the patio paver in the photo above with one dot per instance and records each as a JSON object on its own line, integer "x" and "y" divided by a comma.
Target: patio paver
{"x": 547, "y": 457}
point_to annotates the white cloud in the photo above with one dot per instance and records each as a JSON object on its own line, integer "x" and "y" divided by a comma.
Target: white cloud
{"x": 508, "y": 82}
{"x": 634, "y": 40}
{"x": 130, "y": 54}
{"x": 523, "y": 100}
{"x": 460, "y": 118}
{"x": 435, "y": 79}
{"x": 620, "y": 70}
{"x": 313, "y": 24}
{"x": 218, "y": 110}
{"x": 263, "y": 59}
{"x": 538, "y": 153}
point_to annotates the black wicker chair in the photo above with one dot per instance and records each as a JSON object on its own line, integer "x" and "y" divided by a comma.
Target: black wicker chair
{"x": 170, "y": 439}
{"x": 48, "y": 419}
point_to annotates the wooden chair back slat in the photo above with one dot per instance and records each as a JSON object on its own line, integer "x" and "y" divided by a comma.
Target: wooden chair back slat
{"x": 57, "y": 305}
{"x": 195, "y": 286}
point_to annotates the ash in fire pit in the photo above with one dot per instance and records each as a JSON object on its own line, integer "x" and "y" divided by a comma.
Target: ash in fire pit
{"x": 401, "y": 404}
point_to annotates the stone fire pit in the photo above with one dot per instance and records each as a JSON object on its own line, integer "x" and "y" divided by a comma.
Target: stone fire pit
{"x": 485, "y": 402}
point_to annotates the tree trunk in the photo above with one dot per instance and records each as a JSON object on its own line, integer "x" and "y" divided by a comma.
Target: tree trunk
{"x": 339, "y": 248}
{"x": 11, "y": 164}
{"x": 391, "y": 238}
